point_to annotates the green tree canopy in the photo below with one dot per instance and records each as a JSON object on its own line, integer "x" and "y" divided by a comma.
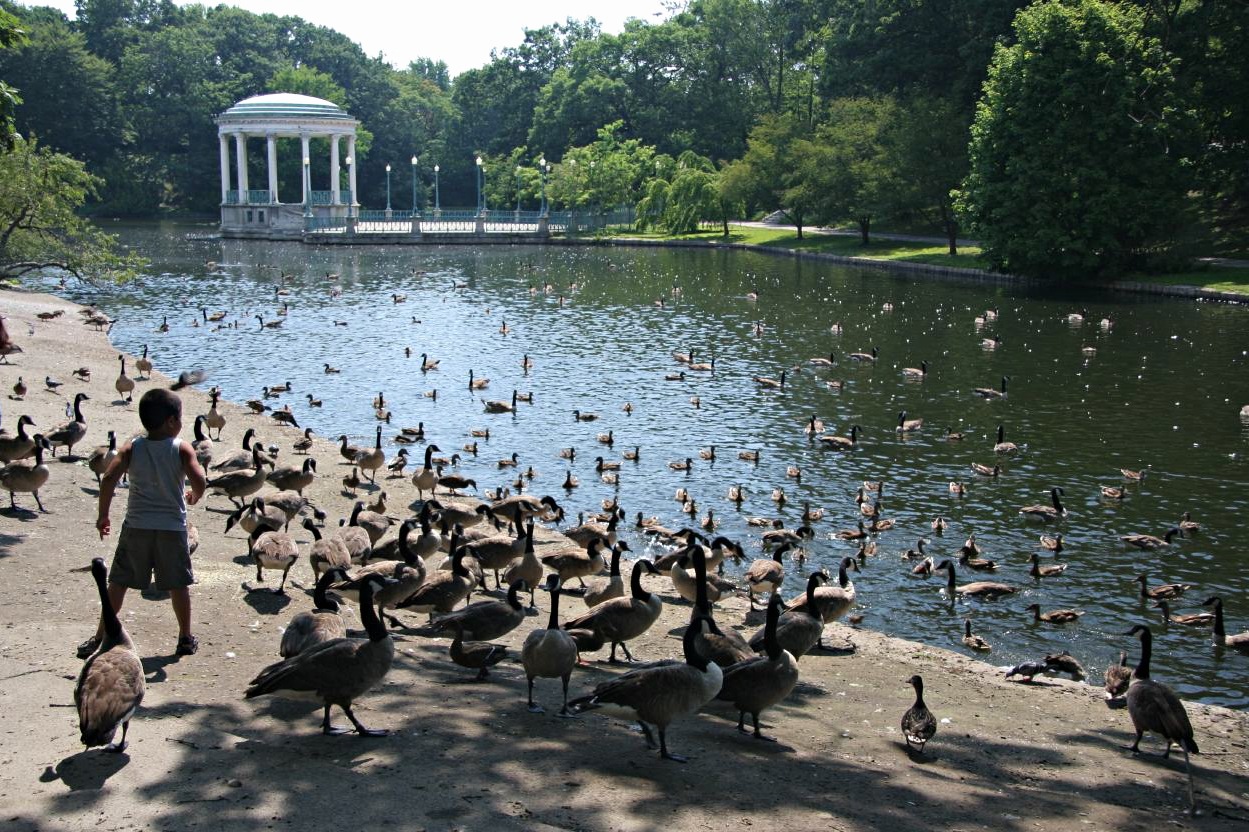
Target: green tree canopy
{"x": 1077, "y": 157}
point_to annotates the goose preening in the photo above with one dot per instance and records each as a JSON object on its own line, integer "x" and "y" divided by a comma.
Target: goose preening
{"x": 1167, "y": 591}
{"x": 977, "y": 589}
{"x": 766, "y": 575}
{"x": 1154, "y": 707}
{"x": 989, "y": 392}
{"x": 1044, "y": 513}
{"x": 26, "y": 477}
{"x": 1148, "y": 541}
{"x": 1238, "y": 642}
{"x": 1053, "y": 616}
{"x": 316, "y": 626}
{"x": 338, "y": 671}
{"x": 110, "y": 685}
{"x": 972, "y": 640}
{"x": 549, "y": 653}
{"x": 619, "y": 620}
{"x": 761, "y": 681}
{"x": 918, "y": 723}
{"x": 72, "y": 432}
{"x": 660, "y": 693}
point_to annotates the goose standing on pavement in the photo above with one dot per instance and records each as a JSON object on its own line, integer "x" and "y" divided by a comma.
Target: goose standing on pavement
{"x": 26, "y": 477}
{"x": 321, "y": 624}
{"x": 762, "y": 681}
{"x": 549, "y": 653}
{"x": 110, "y": 686}
{"x": 72, "y": 432}
{"x": 622, "y": 619}
{"x": 371, "y": 460}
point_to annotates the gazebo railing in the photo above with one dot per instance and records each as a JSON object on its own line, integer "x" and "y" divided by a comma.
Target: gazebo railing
{"x": 260, "y": 197}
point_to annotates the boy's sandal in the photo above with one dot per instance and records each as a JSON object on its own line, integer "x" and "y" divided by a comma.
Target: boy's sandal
{"x": 88, "y": 647}
{"x": 187, "y": 645}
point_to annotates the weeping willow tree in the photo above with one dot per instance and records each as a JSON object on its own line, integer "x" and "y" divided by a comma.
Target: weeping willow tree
{"x": 690, "y": 196}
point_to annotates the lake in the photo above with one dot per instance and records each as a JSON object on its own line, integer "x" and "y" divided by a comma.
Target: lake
{"x": 1160, "y": 386}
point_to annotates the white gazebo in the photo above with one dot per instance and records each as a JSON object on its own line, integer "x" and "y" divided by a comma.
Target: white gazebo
{"x": 261, "y": 213}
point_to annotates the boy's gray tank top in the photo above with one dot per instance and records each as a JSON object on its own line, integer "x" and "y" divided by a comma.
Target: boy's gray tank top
{"x": 157, "y": 497}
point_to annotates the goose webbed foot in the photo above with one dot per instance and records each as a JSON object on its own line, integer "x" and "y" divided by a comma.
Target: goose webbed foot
{"x": 116, "y": 747}
{"x": 664, "y": 754}
{"x": 564, "y": 713}
{"x": 759, "y": 735}
{"x": 650, "y": 737}
{"x": 328, "y": 728}
{"x": 361, "y": 730}
{"x": 535, "y": 708}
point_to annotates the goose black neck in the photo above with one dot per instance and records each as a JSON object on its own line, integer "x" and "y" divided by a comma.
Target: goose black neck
{"x": 378, "y": 445}
{"x": 553, "y": 622}
{"x": 355, "y": 514}
{"x": 842, "y": 578}
{"x": 1219, "y": 633}
{"x": 1001, "y": 434}
{"x": 112, "y": 626}
{"x": 373, "y": 625}
{"x": 247, "y": 439}
{"x": 950, "y": 576}
{"x": 312, "y": 527}
{"x": 78, "y": 408}
{"x": 812, "y": 583}
{"x": 615, "y": 562}
{"x": 689, "y": 644}
{"x": 457, "y": 556}
{"x": 409, "y": 557}
{"x": 513, "y": 592}
{"x": 770, "y": 642}
{"x": 700, "y": 579}
{"x": 199, "y": 428}
{"x": 635, "y": 581}
{"x": 1147, "y": 648}
{"x": 1058, "y": 506}
{"x": 319, "y": 599}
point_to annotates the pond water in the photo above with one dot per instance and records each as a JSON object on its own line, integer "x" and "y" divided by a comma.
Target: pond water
{"x": 1162, "y": 388}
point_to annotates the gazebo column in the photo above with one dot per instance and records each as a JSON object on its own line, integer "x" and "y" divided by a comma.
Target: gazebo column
{"x": 272, "y": 142}
{"x": 225, "y": 166}
{"x": 334, "y": 182}
{"x": 355, "y": 163}
{"x": 306, "y": 176}
{"x": 240, "y": 151}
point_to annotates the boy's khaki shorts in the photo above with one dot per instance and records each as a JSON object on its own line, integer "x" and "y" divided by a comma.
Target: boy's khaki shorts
{"x": 142, "y": 552}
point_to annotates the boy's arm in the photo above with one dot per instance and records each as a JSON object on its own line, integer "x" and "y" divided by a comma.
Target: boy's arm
{"x": 194, "y": 473}
{"x": 108, "y": 485}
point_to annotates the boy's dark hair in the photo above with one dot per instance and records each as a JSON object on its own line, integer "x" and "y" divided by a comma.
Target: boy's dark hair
{"x": 157, "y": 406}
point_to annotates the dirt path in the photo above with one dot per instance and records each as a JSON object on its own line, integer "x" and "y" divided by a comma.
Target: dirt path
{"x": 464, "y": 755}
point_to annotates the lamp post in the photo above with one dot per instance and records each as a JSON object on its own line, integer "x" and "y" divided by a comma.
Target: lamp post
{"x": 542, "y": 167}
{"x": 387, "y": 190}
{"x": 479, "y": 172}
{"x": 413, "y": 186}
{"x": 437, "y": 203}
{"x": 518, "y": 193}
{"x": 351, "y": 194}
{"x": 307, "y": 187}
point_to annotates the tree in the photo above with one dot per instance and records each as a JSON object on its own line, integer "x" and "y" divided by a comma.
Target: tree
{"x": 925, "y": 141}
{"x": 40, "y": 194}
{"x": 11, "y": 35}
{"x": 768, "y": 176}
{"x": 1077, "y": 156}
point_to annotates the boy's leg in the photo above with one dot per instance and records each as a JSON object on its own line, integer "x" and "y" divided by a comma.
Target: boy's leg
{"x": 181, "y": 600}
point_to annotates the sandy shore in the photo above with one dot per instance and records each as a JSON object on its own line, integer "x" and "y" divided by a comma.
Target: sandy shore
{"x": 463, "y": 755}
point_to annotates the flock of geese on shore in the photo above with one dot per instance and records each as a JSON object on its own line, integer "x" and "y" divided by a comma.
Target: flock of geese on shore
{"x": 755, "y": 674}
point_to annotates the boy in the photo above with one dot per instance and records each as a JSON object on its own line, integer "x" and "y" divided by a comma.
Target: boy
{"x": 154, "y": 535}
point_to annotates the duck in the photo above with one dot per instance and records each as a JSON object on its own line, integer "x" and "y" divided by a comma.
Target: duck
{"x": 906, "y": 425}
{"x": 989, "y": 392}
{"x": 952, "y": 435}
{"x": 1154, "y": 707}
{"x": 985, "y": 470}
{"x": 19, "y": 389}
{"x": 1197, "y": 619}
{"x": 1052, "y": 544}
{"x": 919, "y": 372}
{"x": 842, "y": 443}
{"x": 27, "y": 477}
{"x": 110, "y": 686}
{"x": 1117, "y": 678}
{"x": 759, "y": 682}
{"x": 620, "y": 620}
{"x": 865, "y": 356}
{"x": 1148, "y": 541}
{"x": 973, "y": 641}
{"x": 1238, "y": 642}
{"x": 484, "y": 620}
{"x": 682, "y": 465}
{"x": 102, "y": 457}
{"x": 799, "y": 630}
{"x": 918, "y": 723}
{"x": 939, "y": 525}
{"x": 1053, "y": 616}
{"x": 660, "y": 693}
{"x": 272, "y": 550}
{"x": 852, "y": 534}
{"x": 1047, "y": 571}
{"x": 1002, "y": 446}
{"x": 370, "y": 460}
{"x": 749, "y": 456}
{"x": 337, "y": 671}
{"x": 72, "y": 432}
{"x": 1188, "y": 525}
{"x": 322, "y": 623}
{"x": 1046, "y": 513}
{"x": 1167, "y": 591}
{"x": 1134, "y": 476}
{"x": 1113, "y": 492}
{"x": 977, "y": 589}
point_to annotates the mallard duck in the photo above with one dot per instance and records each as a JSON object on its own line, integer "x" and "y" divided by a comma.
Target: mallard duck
{"x": 748, "y": 456}
{"x": 985, "y": 470}
{"x": 1117, "y": 677}
{"x": 1187, "y": 525}
{"x": 581, "y": 416}
{"x": 1134, "y": 476}
{"x": 1053, "y": 544}
{"x": 1154, "y": 707}
{"x": 1148, "y": 541}
{"x": 1053, "y": 616}
{"x": 1113, "y": 492}
{"x": 975, "y": 642}
{"x": 918, "y": 723}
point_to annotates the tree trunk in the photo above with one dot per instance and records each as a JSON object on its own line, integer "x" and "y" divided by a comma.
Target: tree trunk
{"x": 865, "y": 226}
{"x": 951, "y": 229}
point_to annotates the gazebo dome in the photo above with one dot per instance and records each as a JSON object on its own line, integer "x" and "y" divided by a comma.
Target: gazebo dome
{"x": 285, "y": 105}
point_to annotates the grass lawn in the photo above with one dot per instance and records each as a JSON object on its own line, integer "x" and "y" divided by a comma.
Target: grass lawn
{"x": 1215, "y": 279}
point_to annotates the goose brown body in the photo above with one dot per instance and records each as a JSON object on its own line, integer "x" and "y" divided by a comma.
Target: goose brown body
{"x": 110, "y": 685}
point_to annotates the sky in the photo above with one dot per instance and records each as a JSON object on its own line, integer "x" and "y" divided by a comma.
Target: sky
{"x": 460, "y": 34}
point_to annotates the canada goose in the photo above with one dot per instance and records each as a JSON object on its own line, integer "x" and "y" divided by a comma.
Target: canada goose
{"x": 799, "y": 630}
{"x": 770, "y": 383}
{"x": 272, "y": 550}
{"x": 1154, "y": 707}
{"x": 833, "y": 601}
{"x": 1053, "y": 544}
{"x": 686, "y": 585}
{"x": 268, "y": 324}
{"x": 1046, "y": 513}
{"x": 659, "y": 693}
{"x": 919, "y": 372}
{"x": 484, "y": 620}
{"x": 1118, "y": 677}
{"x": 213, "y": 418}
{"x": 26, "y": 477}
{"x": 426, "y": 478}
{"x": 1164, "y": 591}
{"x": 1064, "y": 662}
{"x": 570, "y": 482}
{"x": 374, "y": 524}
{"x": 906, "y": 425}
{"x": 1198, "y": 619}
{"x": 202, "y": 445}
{"x": 337, "y": 671}
{"x": 1047, "y": 571}
{"x": 1148, "y": 541}
{"x": 990, "y": 343}
{"x": 550, "y": 653}
{"x": 985, "y": 470}
{"x": 918, "y": 723}
{"x": 256, "y": 514}
{"x": 842, "y": 443}
{"x": 72, "y": 431}
{"x": 454, "y": 483}
{"x": 443, "y": 589}
{"x": 989, "y": 392}
{"x": 321, "y": 624}
{"x": 496, "y": 406}
{"x": 20, "y": 445}
{"x": 289, "y": 478}
{"x": 761, "y": 681}
{"x": 978, "y": 589}
{"x": 371, "y": 459}
{"x": 325, "y": 552}
{"x": 865, "y": 356}
{"x": 164, "y": 324}
{"x": 584, "y": 417}
{"x": 619, "y": 620}
{"x": 243, "y": 483}
{"x": 824, "y": 362}
{"x": 1054, "y": 616}
{"x": 102, "y": 457}
{"x": 241, "y": 459}
{"x": 680, "y": 465}
{"x": 766, "y": 575}
{"x": 1002, "y": 446}
{"x": 708, "y": 453}
{"x": 571, "y": 565}
{"x": 1238, "y": 642}
{"x": 605, "y": 589}
{"x": 110, "y": 685}
{"x": 973, "y": 641}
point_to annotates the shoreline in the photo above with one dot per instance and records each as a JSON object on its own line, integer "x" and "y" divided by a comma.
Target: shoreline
{"x": 1010, "y": 754}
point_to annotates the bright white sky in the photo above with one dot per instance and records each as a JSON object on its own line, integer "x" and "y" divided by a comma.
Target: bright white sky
{"x": 457, "y": 32}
